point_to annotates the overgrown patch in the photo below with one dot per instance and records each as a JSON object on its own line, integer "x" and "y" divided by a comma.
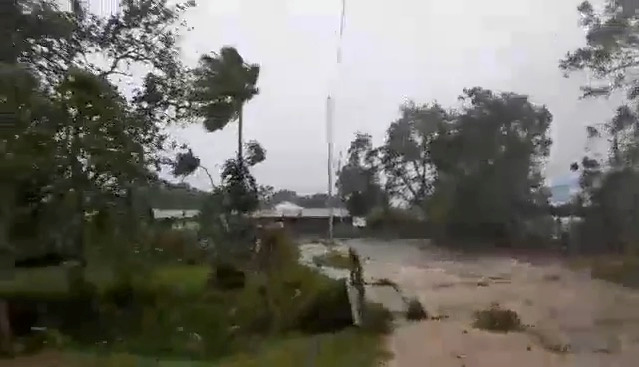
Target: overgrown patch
{"x": 623, "y": 270}
{"x": 415, "y": 310}
{"x": 498, "y": 319}
{"x": 377, "y": 319}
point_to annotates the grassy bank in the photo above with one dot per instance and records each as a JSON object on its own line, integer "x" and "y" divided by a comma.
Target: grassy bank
{"x": 350, "y": 347}
{"x": 170, "y": 311}
{"x": 623, "y": 270}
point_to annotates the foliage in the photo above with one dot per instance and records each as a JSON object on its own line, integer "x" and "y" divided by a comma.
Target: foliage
{"x": 227, "y": 277}
{"x": 166, "y": 195}
{"x": 415, "y": 311}
{"x": 610, "y": 53}
{"x": 406, "y": 154}
{"x": 497, "y": 319}
{"x": 377, "y": 319}
{"x": 330, "y": 311}
{"x": 345, "y": 348}
{"x": 608, "y": 201}
{"x": 223, "y": 83}
{"x": 624, "y": 271}
{"x": 491, "y": 188}
{"x": 240, "y": 187}
{"x": 358, "y": 181}
{"x": 474, "y": 171}
{"x": 76, "y": 144}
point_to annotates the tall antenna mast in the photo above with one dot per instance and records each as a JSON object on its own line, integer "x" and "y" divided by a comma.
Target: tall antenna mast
{"x": 329, "y": 125}
{"x": 329, "y": 137}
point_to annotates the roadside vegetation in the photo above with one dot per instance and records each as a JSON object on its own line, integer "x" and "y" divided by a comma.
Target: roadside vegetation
{"x": 415, "y": 311}
{"x": 289, "y": 307}
{"x": 497, "y": 319}
{"x": 88, "y": 273}
{"x": 623, "y": 270}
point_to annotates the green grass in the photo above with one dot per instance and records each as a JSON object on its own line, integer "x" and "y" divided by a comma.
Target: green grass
{"x": 623, "y": 270}
{"x": 346, "y": 348}
{"x": 49, "y": 281}
{"x": 52, "y": 281}
{"x": 251, "y": 326}
{"x": 333, "y": 259}
{"x": 189, "y": 278}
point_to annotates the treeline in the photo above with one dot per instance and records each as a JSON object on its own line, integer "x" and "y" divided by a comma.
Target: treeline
{"x": 474, "y": 170}
{"x": 81, "y": 160}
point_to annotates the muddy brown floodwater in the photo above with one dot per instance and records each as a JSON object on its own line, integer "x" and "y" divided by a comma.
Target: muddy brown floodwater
{"x": 572, "y": 320}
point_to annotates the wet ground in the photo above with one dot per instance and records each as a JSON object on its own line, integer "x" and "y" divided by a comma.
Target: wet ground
{"x": 572, "y": 319}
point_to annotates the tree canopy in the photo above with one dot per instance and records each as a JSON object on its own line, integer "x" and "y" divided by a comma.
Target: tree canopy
{"x": 475, "y": 169}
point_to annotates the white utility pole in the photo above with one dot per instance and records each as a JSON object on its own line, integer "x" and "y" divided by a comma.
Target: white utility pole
{"x": 329, "y": 122}
{"x": 329, "y": 138}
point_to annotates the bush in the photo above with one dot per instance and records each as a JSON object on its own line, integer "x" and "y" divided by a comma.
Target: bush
{"x": 227, "y": 277}
{"x": 173, "y": 244}
{"x": 623, "y": 271}
{"x": 497, "y": 319}
{"x": 415, "y": 311}
{"x": 328, "y": 311}
{"x": 377, "y": 319}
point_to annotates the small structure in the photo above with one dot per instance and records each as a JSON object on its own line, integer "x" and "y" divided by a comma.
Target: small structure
{"x": 303, "y": 220}
{"x": 177, "y": 219}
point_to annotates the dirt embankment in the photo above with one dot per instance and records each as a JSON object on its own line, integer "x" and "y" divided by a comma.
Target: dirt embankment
{"x": 572, "y": 320}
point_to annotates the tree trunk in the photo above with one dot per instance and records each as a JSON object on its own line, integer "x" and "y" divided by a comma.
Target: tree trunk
{"x": 77, "y": 182}
{"x": 239, "y": 134}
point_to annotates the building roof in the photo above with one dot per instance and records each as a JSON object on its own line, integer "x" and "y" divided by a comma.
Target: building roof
{"x": 303, "y": 213}
{"x": 174, "y": 213}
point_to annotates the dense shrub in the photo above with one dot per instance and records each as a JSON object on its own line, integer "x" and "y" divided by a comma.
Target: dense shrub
{"x": 415, "y": 311}
{"x": 226, "y": 276}
{"x": 173, "y": 244}
{"x": 328, "y": 311}
{"x": 497, "y": 319}
{"x": 377, "y": 319}
{"x": 624, "y": 271}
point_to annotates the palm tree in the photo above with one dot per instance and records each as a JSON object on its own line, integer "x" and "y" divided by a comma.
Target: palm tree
{"x": 223, "y": 84}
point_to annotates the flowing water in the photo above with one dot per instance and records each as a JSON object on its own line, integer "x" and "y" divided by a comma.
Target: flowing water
{"x": 572, "y": 320}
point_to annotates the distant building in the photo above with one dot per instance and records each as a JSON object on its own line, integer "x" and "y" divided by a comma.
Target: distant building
{"x": 303, "y": 220}
{"x": 289, "y": 210}
{"x": 178, "y": 219}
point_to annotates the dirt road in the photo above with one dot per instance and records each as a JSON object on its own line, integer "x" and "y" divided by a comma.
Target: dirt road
{"x": 574, "y": 320}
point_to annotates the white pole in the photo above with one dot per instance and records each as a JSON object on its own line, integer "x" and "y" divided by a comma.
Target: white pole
{"x": 329, "y": 138}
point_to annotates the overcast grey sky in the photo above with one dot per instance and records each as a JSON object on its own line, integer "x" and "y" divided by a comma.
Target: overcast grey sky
{"x": 423, "y": 50}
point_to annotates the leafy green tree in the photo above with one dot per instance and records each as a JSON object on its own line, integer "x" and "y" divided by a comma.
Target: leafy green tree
{"x": 405, "y": 155}
{"x": 609, "y": 186}
{"x": 488, "y": 164}
{"x": 358, "y": 181}
{"x": 93, "y": 144}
